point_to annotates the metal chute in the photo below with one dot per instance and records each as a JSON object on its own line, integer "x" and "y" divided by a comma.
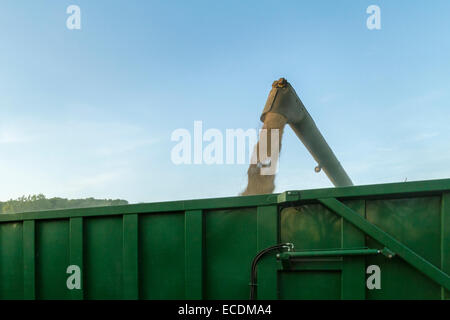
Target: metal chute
{"x": 284, "y": 100}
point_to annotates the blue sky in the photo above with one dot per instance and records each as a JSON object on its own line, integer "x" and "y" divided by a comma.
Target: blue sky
{"x": 90, "y": 112}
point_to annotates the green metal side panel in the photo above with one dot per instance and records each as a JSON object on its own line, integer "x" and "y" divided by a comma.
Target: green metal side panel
{"x": 161, "y": 255}
{"x": 353, "y": 281}
{"x": 130, "y": 257}
{"x": 309, "y": 227}
{"x": 11, "y": 260}
{"x": 193, "y": 255}
{"x": 52, "y": 259}
{"x": 445, "y": 240}
{"x": 310, "y": 285}
{"x": 103, "y": 263}
{"x": 230, "y": 240}
{"x": 267, "y": 236}
{"x": 203, "y": 249}
{"x": 29, "y": 259}
{"x": 416, "y": 223}
{"x": 76, "y": 253}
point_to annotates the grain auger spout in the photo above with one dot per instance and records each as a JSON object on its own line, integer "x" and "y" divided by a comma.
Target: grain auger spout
{"x": 284, "y": 100}
{"x": 283, "y": 107}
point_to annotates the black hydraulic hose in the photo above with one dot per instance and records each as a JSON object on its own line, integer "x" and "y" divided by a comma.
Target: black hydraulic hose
{"x": 253, "y": 273}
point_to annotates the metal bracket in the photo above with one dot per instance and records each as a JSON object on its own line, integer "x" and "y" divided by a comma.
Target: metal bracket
{"x": 387, "y": 240}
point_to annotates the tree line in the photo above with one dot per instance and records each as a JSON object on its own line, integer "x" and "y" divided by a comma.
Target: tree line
{"x": 41, "y": 203}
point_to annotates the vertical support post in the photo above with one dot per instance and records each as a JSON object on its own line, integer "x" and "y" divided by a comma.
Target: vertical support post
{"x": 29, "y": 257}
{"x": 76, "y": 253}
{"x": 445, "y": 240}
{"x": 194, "y": 245}
{"x": 130, "y": 257}
{"x": 267, "y": 235}
{"x": 353, "y": 267}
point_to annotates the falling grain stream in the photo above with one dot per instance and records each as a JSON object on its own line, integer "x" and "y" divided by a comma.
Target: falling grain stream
{"x": 259, "y": 183}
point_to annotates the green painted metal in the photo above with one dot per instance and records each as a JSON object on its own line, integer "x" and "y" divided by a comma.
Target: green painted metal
{"x": 11, "y": 261}
{"x": 383, "y": 191}
{"x": 162, "y": 256}
{"x": 328, "y": 253}
{"x": 353, "y": 267}
{"x": 103, "y": 263}
{"x": 194, "y": 250}
{"x": 379, "y": 235}
{"x": 29, "y": 260}
{"x": 445, "y": 236}
{"x": 413, "y": 221}
{"x": 230, "y": 245}
{"x": 310, "y": 285}
{"x": 51, "y": 246}
{"x": 267, "y": 234}
{"x": 203, "y": 249}
{"x": 76, "y": 252}
{"x": 130, "y": 257}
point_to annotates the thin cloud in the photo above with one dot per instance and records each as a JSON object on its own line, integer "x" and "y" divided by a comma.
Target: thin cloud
{"x": 125, "y": 146}
{"x": 425, "y": 136}
{"x": 12, "y": 136}
{"x": 95, "y": 181}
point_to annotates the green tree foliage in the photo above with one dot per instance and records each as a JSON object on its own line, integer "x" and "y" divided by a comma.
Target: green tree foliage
{"x": 40, "y": 202}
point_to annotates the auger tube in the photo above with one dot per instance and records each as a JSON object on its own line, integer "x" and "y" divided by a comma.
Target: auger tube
{"x": 284, "y": 100}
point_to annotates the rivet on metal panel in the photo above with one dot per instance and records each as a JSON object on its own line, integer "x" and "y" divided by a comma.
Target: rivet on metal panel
{"x": 388, "y": 253}
{"x": 289, "y": 196}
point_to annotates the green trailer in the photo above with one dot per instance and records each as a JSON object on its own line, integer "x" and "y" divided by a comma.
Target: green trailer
{"x": 387, "y": 241}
